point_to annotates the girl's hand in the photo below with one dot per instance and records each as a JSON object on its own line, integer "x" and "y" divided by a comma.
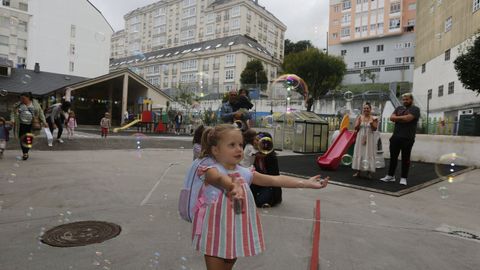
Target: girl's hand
{"x": 317, "y": 182}
{"x": 237, "y": 191}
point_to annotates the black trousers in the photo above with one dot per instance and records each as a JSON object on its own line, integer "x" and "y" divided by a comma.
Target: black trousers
{"x": 398, "y": 145}
{"x": 58, "y": 123}
{"x": 22, "y": 130}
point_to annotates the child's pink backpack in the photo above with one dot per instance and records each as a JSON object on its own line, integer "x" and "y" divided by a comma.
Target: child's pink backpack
{"x": 191, "y": 189}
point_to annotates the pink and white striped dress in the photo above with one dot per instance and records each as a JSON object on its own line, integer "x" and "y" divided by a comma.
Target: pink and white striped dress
{"x": 217, "y": 230}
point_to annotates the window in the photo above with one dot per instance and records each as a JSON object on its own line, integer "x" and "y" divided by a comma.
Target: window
{"x": 343, "y": 52}
{"x": 235, "y": 12}
{"x": 447, "y": 55}
{"x": 229, "y": 75}
{"x": 440, "y": 91}
{"x": 72, "y": 31}
{"x": 346, "y": 5}
{"x": 380, "y": 48}
{"x": 336, "y": 8}
{"x": 394, "y": 23}
{"x": 346, "y": 18}
{"x": 6, "y": 3}
{"x": 4, "y": 40}
{"x": 381, "y": 62}
{"x": 363, "y": 64}
{"x": 448, "y": 24}
{"x": 345, "y": 32}
{"x": 72, "y": 49}
{"x": 412, "y": 6}
{"x": 476, "y": 5}
{"x": 406, "y": 59}
{"x": 334, "y": 35}
{"x": 372, "y": 27}
{"x": 23, "y": 6}
{"x": 395, "y": 7}
{"x": 230, "y": 60}
{"x": 22, "y": 26}
{"x": 412, "y": 59}
{"x": 451, "y": 87}
{"x": 424, "y": 68}
{"x": 210, "y": 18}
{"x": 375, "y": 63}
{"x": 72, "y": 67}
{"x": 398, "y": 60}
{"x": 235, "y": 24}
{"x": 366, "y": 49}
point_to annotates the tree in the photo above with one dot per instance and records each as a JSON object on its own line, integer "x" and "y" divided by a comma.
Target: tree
{"x": 368, "y": 74}
{"x": 294, "y": 47}
{"x": 467, "y": 66}
{"x": 321, "y": 72}
{"x": 254, "y": 74}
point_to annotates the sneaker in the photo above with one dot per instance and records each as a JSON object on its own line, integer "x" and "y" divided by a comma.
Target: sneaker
{"x": 50, "y": 144}
{"x": 403, "y": 181}
{"x": 388, "y": 178}
{"x": 60, "y": 141}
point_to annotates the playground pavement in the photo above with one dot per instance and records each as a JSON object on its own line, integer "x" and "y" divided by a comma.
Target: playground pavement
{"x": 139, "y": 190}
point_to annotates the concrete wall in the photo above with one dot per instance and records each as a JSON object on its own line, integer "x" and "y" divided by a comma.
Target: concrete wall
{"x": 50, "y": 38}
{"x": 429, "y": 148}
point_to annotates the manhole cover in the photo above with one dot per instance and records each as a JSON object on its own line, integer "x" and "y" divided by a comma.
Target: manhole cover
{"x": 80, "y": 233}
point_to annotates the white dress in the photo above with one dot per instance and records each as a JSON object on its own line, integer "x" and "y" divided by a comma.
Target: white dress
{"x": 364, "y": 151}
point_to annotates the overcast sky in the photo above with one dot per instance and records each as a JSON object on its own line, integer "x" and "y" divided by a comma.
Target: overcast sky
{"x": 306, "y": 19}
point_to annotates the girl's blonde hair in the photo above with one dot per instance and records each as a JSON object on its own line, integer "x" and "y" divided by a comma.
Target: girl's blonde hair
{"x": 211, "y": 137}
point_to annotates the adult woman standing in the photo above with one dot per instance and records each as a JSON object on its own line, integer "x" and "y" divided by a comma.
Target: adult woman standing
{"x": 364, "y": 151}
{"x": 27, "y": 115}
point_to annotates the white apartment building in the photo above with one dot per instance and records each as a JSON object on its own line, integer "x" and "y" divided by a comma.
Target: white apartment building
{"x": 173, "y": 23}
{"x": 375, "y": 36}
{"x": 212, "y": 66}
{"x": 66, "y": 37}
{"x": 14, "y": 18}
{"x": 445, "y": 30}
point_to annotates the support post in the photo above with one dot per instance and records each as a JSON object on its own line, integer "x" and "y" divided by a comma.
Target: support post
{"x": 124, "y": 98}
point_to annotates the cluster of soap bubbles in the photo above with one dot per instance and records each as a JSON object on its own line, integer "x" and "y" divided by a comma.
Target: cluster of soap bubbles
{"x": 100, "y": 37}
{"x": 154, "y": 262}
{"x": 64, "y": 217}
{"x": 138, "y": 143}
{"x": 100, "y": 262}
{"x": 26, "y": 79}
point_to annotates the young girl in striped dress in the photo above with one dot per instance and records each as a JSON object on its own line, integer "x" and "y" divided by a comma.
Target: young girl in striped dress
{"x": 226, "y": 224}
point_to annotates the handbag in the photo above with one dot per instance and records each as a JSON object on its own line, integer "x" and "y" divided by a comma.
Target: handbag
{"x": 36, "y": 125}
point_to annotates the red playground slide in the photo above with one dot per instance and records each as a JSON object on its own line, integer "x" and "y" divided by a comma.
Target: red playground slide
{"x": 331, "y": 159}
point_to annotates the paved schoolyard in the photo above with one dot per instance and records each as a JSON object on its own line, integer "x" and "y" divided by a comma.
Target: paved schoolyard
{"x": 359, "y": 230}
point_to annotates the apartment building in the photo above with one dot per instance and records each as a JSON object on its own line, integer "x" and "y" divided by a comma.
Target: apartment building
{"x": 376, "y": 36}
{"x": 206, "y": 67}
{"x": 14, "y": 18}
{"x": 444, "y": 31}
{"x": 65, "y": 37}
{"x": 173, "y": 23}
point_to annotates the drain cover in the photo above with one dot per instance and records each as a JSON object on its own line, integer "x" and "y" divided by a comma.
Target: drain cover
{"x": 80, "y": 233}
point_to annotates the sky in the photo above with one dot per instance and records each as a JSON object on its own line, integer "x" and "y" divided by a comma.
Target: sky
{"x": 305, "y": 20}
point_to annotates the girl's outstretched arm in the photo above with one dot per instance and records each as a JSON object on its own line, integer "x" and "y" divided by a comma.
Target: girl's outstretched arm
{"x": 315, "y": 182}
{"x": 215, "y": 178}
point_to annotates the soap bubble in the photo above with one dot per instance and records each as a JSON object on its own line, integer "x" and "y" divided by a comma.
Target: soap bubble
{"x": 348, "y": 96}
{"x": 96, "y": 263}
{"x": 26, "y": 79}
{"x": 365, "y": 165}
{"x": 378, "y": 165}
{"x": 265, "y": 145}
{"x": 3, "y": 93}
{"x": 284, "y": 84}
{"x": 266, "y": 207}
{"x": 347, "y": 160}
{"x": 287, "y": 140}
{"x": 443, "y": 192}
{"x": 27, "y": 140}
{"x": 448, "y": 166}
{"x": 98, "y": 253}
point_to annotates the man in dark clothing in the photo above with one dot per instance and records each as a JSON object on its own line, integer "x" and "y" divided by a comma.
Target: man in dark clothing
{"x": 406, "y": 119}
{"x": 55, "y": 116}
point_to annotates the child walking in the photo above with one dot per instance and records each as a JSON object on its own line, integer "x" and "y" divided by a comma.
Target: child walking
{"x": 226, "y": 224}
{"x": 105, "y": 125}
{"x": 71, "y": 124}
{"x": 249, "y": 151}
{"x": 5, "y": 128}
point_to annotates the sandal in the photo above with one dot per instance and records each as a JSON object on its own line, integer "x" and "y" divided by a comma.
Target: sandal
{"x": 25, "y": 156}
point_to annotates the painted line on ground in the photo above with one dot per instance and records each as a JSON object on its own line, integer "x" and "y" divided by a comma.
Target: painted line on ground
{"x": 145, "y": 200}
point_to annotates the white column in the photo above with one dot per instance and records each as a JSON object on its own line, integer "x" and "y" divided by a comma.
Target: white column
{"x": 124, "y": 97}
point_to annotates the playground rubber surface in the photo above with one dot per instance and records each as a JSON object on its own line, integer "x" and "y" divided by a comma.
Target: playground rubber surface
{"x": 421, "y": 175}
